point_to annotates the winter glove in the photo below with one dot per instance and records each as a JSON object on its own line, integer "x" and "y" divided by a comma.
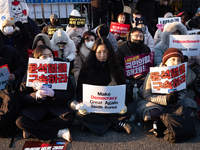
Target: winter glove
{"x": 74, "y": 105}
{"x": 83, "y": 111}
{"x": 19, "y": 24}
{"x": 123, "y": 111}
{"x": 48, "y": 91}
{"x": 173, "y": 97}
{"x": 40, "y": 94}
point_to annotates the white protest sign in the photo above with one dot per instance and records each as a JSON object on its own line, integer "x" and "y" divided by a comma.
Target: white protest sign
{"x": 188, "y": 44}
{"x": 53, "y": 73}
{"x": 104, "y": 99}
{"x": 168, "y": 79}
{"x": 193, "y": 32}
{"x": 4, "y": 74}
{"x": 164, "y": 21}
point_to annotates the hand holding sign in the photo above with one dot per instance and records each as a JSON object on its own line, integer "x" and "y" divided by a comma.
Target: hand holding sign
{"x": 40, "y": 94}
{"x": 123, "y": 111}
{"x": 48, "y": 91}
{"x": 83, "y": 111}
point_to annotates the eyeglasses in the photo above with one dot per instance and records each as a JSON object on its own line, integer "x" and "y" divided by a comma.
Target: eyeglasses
{"x": 137, "y": 36}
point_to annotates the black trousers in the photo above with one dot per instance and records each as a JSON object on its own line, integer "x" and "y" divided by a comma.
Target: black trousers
{"x": 99, "y": 15}
{"x": 45, "y": 129}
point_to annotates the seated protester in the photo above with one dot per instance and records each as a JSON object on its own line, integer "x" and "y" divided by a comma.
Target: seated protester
{"x": 75, "y": 33}
{"x": 64, "y": 45}
{"x": 154, "y": 104}
{"x": 193, "y": 23}
{"x": 158, "y": 33}
{"x": 174, "y": 28}
{"x": 83, "y": 49}
{"x": 148, "y": 39}
{"x": 101, "y": 68}
{"x": 18, "y": 39}
{"x": 41, "y": 39}
{"x": 103, "y": 31}
{"x": 184, "y": 17}
{"x": 14, "y": 60}
{"x": 134, "y": 46}
{"x": 46, "y": 114}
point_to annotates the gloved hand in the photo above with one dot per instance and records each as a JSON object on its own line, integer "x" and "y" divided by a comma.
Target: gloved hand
{"x": 173, "y": 97}
{"x": 123, "y": 111}
{"x": 40, "y": 94}
{"x": 83, "y": 111}
{"x": 74, "y": 105}
{"x": 48, "y": 91}
{"x": 19, "y": 24}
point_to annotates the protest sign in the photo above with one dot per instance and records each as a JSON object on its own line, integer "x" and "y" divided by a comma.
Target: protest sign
{"x": 119, "y": 29}
{"x": 54, "y": 73}
{"x": 15, "y": 10}
{"x": 104, "y": 99}
{"x": 188, "y": 44}
{"x": 193, "y": 32}
{"x": 53, "y": 29}
{"x": 4, "y": 74}
{"x": 138, "y": 64}
{"x": 37, "y": 145}
{"x": 76, "y": 21}
{"x": 168, "y": 79}
{"x": 164, "y": 21}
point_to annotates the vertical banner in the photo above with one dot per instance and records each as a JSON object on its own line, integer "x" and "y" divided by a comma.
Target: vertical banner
{"x": 104, "y": 99}
{"x": 119, "y": 29}
{"x": 138, "y": 64}
{"x": 4, "y": 74}
{"x": 168, "y": 79}
{"x": 54, "y": 73}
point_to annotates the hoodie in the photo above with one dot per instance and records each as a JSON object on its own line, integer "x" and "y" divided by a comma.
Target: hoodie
{"x": 45, "y": 37}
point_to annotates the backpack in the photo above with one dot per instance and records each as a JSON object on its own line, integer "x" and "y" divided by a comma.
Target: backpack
{"x": 179, "y": 126}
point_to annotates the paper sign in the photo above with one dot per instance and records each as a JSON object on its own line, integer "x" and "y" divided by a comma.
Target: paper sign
{"x": 138, "y": 64}
{"x": 160, "y": 26}
{"x": 193, "y": 32}
{"x": 54, "y": 73}
{"x": 52, "y": 30}
{"x": 4, "y": 74}
{"x": 30, "y": 51}
{"x": 37, "y": 145}
{"x": 104, "y": 99}
{"x": 76, "y": 21}
{"x": 119, "y": 29}
{"x": 164, "y": 21}
{"x": 188, "y": 44}
{"x": 168, "y": 79}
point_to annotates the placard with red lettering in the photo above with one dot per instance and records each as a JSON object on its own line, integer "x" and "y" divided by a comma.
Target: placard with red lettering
{"x": 54, "y": 73}
{"x": 168, "y": 79}
{"x": 119, "y": 29}
{"x": 138, "y": 64}
{"x": 188, "y": 44}
{"x": 104, "y": 99}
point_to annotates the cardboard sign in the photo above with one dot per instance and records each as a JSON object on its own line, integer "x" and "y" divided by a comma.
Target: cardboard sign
{"x": 30, "y": 51}
{"x": 15, "y": 10}
{"x": 188, "y": 44}
{"x": 37, "y": 145}
{"x": 168, "y": 79}
{"x": 138, "y": 64}
{"x": 119, "y": 29}
{"x": 193, "y": 32}
{"x": 54, "y": 73}
{"x": 53, "y": 29}
{"x": 164, "y": 21}
{"x": 104, "y": 99}
{"x": 76, "y": 21}
{"x": 4, "y": 74}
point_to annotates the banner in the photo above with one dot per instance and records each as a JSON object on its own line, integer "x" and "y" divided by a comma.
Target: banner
{"x": 53, "y": 29}
{"x": 168, "y": 79}
{"x": 138, "y": 64}
{"x": 164, "y": 21}
{"x": 104, "y": 99}
{"x": 15, "y": 10}
{"x": 193, "y": 32}
{"x": 188, "y": 44}
{"x": 4, "y": 74}
{"x": 76, "y": 21}
{"x": 119, "y": 29}
{"x": 54, "y": 73}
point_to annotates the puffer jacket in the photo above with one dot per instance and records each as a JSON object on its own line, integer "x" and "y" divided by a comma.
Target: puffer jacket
{"x": 163, "y": 45}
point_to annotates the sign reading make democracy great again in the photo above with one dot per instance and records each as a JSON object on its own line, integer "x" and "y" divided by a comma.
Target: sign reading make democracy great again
{"x": 54, "y": 73}
{"x": 104, "y": 99}
{"x": 168, "y": 79}
{"x": 168, "y": 20}
{"x": 188, "y": 44}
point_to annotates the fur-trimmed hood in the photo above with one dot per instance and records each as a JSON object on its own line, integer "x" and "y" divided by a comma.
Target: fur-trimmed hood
{"x": 45, "y": 37}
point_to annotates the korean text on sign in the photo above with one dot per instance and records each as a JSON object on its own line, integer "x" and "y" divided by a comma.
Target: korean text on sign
{"x": 138, "y": 64}
{"x": 168, "y": 79}
{"x": 54, "y": 73}
{"x": 119, "y": 29}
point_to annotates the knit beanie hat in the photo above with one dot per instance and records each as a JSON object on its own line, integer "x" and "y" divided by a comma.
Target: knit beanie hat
{"x": 140, "y": 21}
{"x": 168, "y": 15}
{"x": 53, "y": 16}
{"x": 172, "y": 52}
{"x": 7, "y": 23}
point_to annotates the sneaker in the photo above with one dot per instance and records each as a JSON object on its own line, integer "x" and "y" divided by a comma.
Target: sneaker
{"x": 65, "y": 134}
{"x": 26, "y": 134}
{"x": 121, "y": 126}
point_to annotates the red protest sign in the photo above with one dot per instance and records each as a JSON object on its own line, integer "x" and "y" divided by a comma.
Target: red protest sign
{"x": 119, "y": 29}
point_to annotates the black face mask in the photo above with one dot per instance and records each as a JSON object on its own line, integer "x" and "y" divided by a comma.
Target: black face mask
{"x": 54, "y": 22}
{"x": 135, "y": 44}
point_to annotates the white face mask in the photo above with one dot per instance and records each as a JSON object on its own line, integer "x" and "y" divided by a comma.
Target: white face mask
{"x": 8, "y": 29}
{"x": 89, "y": 44}
{"x": 48, "y": 58}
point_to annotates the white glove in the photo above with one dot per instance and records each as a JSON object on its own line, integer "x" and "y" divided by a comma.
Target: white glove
{"x": 123, "y": 111}
{"x": 40, "y": 94}
{"x": 48, "y": 91}
{"x": 75, "y": 105}
{"x": 83, "y": 111}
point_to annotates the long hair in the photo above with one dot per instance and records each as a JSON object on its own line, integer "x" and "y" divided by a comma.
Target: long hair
{"x": 89, "y": 66}
{"x": 39, "y": 49}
